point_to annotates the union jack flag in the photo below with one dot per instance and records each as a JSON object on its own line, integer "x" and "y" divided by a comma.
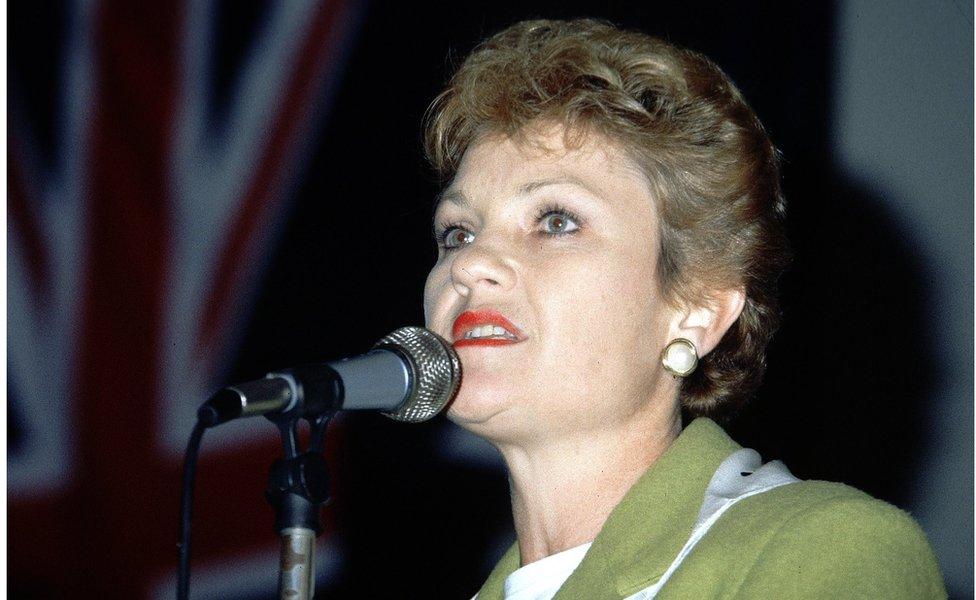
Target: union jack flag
{"x": 134, "y": 252}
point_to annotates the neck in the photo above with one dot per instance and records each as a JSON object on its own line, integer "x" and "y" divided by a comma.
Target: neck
{"x": 564, "y": 489}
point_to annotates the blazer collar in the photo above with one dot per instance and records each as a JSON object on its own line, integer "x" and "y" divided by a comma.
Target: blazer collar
{"x": 647, "y": 529}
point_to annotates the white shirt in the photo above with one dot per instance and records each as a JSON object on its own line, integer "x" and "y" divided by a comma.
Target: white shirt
{"x": 543, "y": 578}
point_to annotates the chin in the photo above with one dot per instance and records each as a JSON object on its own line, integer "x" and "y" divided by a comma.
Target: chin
{"x": 501, "y": 425}
{"x": 477, "y": 408}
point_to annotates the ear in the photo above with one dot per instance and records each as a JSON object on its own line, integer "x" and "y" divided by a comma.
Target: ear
{"x": 706, "y": 324}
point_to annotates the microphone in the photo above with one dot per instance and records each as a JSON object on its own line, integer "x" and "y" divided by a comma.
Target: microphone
{"x": 410, "y": 375}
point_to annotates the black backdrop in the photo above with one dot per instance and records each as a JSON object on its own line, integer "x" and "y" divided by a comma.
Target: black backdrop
{"x": 354, "y": 253}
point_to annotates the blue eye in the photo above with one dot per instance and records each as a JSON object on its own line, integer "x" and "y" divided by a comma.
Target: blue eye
{"x": 454, "y": 237}
{"x": 558, "y": 221}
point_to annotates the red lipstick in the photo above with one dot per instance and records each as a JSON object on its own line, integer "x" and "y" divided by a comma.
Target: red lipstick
{"x": 472, "y": 319}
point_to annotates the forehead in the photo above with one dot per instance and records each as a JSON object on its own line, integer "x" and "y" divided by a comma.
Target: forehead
{"x": 497, "y": 167}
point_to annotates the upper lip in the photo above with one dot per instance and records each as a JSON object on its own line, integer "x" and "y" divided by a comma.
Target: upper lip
{"x": 470, "y": 319}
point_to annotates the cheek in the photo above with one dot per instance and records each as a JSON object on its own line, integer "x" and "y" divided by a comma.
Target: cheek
{"x": 597, "y": 303}
{"x": 626, "y": 315}
{"x": 437, "y": 280}
{"x": 429, "y": 299}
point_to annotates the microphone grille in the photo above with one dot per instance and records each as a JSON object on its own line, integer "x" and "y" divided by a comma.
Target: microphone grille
{"x": 436, "y": 371}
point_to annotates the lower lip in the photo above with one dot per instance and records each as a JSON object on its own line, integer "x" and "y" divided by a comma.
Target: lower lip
{"x": 483, "y": 342}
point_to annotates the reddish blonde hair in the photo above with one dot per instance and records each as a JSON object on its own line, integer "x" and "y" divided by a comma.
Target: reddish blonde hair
{"x": 704, "y": 151}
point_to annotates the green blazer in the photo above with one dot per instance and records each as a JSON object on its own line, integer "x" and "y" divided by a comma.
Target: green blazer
{"x": 811, "y": 539}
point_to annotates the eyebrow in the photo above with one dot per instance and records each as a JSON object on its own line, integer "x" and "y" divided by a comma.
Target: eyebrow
{"x": 458, "y": 197}
{"x": 453, "y": 196}
{"x": 532, "y": 186}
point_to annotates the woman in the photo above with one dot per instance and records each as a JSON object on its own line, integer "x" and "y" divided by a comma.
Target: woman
{"x": 610, "y": 238}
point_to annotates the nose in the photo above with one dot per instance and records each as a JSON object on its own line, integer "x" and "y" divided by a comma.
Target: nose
{"x": 478, "y": 267}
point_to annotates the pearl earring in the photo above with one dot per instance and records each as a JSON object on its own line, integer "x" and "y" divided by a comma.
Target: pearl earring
{"x": 680, "y": 357}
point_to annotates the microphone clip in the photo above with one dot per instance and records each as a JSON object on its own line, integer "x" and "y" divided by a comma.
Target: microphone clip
{"x": 297, "y": 489}
{"x": 298, "y": 482}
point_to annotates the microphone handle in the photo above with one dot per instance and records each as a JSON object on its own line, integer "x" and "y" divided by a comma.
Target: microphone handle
{"x": 274, "y": 393}
{"x": 381, "y": 379}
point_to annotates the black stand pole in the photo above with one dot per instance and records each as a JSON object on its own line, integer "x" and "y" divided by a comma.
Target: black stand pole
{"x": 298, "y": 486}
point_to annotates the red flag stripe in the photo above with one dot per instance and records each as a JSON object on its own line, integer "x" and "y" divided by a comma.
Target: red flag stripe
{"x": 128, "y": 210}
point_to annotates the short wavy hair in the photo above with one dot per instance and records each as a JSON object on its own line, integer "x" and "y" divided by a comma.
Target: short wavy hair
{"x": 706, "y": 155}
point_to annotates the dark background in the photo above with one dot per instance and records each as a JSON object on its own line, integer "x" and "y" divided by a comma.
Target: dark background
{"x": 851, "y": 373}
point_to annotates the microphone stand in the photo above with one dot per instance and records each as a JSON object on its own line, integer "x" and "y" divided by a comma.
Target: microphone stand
{"x": 298, "y": 486}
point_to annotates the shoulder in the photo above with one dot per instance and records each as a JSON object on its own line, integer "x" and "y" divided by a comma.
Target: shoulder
{"x": 822, "y": 539}
{"x": 821, "y": 502}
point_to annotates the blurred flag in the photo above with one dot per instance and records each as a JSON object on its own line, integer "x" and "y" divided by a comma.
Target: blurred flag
{"x": 134, "y": 252}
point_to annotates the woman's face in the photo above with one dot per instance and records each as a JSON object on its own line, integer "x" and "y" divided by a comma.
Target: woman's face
{"x": 546, "y": 283}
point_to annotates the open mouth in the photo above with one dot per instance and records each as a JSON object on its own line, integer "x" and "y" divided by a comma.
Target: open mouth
{"x": 489, "y": 332}
{"x": 484, "y": 328}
